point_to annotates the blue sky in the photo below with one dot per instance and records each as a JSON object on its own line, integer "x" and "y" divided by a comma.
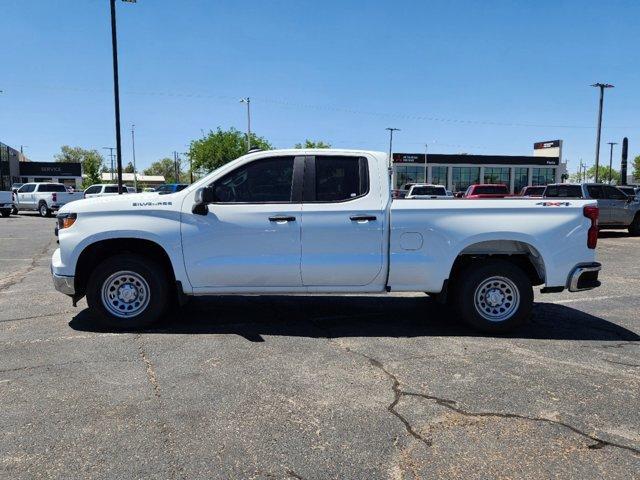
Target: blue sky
{"x": 488, "y": 77}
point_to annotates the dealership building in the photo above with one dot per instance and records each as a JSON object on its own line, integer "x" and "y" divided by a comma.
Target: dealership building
{"x": 458, "y": 171}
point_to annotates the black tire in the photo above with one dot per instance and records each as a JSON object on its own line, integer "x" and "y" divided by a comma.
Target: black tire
{"x": 511, "y": 290}
{"x": 156, "y": 298}
{"x": 43, "y": 210}
{"x": 634, "y": 228}
{"x": 5, "y": 213}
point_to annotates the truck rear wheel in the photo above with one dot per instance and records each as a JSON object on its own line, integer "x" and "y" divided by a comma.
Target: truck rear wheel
{"x": 127, "y": 291}
{"x": 5, "y": 213}
{"x": 43, "y": 210}
{"x": 494, "y": 296}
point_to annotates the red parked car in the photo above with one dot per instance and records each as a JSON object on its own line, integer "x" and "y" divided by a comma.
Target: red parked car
{"x": 487, "y": 190}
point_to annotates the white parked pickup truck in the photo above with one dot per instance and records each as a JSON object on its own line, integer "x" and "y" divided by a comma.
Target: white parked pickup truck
{"x": 44, "y": 197}
{"x": 6, "y": 203}
{"x": 319, "y": 221}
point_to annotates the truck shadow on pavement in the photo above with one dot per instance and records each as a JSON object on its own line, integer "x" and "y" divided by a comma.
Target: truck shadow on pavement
{"x": 252, "y": 317}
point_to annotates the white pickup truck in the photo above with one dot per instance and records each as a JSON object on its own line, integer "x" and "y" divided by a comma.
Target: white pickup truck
{"x": 6, "y": 203}
{"x": 319, "y": 221}
{"x": 44, "y": 197}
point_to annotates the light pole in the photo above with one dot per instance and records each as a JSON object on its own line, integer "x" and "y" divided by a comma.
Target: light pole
{"x": 111, "y": 149}
{"x": 1, "y": 172}
{"x": 116, "y": 88}
{"x": 247, "y": 100}
{"x": 601, "y": 86}
{"x": 391, "y": 130}
{"x": 133, "y": 151}
{"x": 611, "y": 144}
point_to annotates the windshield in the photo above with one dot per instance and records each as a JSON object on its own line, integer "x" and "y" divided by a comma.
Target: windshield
{"x": 563, "y": 191}
{"x": 490, "y": 190}
{"x": 429, "y": 191}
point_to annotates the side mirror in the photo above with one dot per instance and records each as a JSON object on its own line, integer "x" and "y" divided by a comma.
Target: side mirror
{"x": 203, "y": 197}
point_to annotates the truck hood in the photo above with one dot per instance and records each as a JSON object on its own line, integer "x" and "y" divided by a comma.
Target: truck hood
{"x": 123, "y": 203}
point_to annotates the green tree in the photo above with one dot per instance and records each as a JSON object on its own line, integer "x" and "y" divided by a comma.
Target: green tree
{"x": 129, "y": 168}
{"x": 312, "y": 144}
{"x": 636, "y": 168}
{"x": 165, "y": 167}
{"x": 220, "y": 147}
{"x": 603, "y": 174}
{"x": 91, "y": 162}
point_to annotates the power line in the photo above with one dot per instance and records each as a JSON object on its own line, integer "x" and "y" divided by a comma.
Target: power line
{"x": 340, "y": 109}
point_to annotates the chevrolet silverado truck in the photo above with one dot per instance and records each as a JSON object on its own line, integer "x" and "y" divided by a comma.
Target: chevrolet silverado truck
{"x": 44, "y": 198}
{"x": 319, "y": 222}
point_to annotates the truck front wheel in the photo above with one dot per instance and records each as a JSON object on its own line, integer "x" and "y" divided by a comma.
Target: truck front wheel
{"x": 494, "y": 296}
{"x": 127, "y": 291}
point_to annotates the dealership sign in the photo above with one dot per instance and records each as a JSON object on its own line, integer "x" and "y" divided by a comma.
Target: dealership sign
{"x": 50, "y": 169}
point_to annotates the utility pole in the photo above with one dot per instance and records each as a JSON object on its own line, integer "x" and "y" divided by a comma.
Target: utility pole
{"x": 611, "y": 144}
{"x": 176, "y": 166}
{"x": 601, "y": 86}
{"x": 426, "y": 148}
{"x": 247, "y": 100}
{"x": 391, "y": 130}
{"x": 133, "y": 151}
{"x": 111, "y": 149}
{"x": 1, "y": 172}
{"x": 116, "y": 89}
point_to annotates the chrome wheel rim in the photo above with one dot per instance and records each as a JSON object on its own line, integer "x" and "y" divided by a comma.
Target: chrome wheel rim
{"x": 125, "y": 294}
{"x": 43, "y": 210}
{"x": 496, "y": 299}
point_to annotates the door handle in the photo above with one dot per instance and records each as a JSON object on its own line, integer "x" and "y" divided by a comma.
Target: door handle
{"x": 282, "y": 218}
{"x": 362, "y": 218}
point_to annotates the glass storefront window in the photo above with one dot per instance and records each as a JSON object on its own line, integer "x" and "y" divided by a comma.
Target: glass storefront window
{"x": 409, "y": 174}
{"x": 462, "y": 177}
{"x": 498, "y": 175}
{"x": 439, "y": 176}
{"x": 521, "y": 179}
{"x": 543, "y": 176}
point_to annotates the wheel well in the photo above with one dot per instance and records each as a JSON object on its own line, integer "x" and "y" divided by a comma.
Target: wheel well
{"x": 97, "y": 252}
{"x": 519, "y": 253}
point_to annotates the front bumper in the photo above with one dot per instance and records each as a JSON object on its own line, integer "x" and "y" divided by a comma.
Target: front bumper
{"x": 584, "y": 277}
{"x": 64, "y": 284}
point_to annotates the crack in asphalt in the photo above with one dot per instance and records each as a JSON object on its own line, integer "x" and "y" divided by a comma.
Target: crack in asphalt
{"x": 165, "y": 431}
{"x": 453, "y": 405}
{"x": 19, "y": 276}
{"x": 33, "y": 317}
{"x": 623, "y": 363}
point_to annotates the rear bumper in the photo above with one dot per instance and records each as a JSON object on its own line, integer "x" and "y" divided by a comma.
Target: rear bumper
{"x": 584, "y": 277}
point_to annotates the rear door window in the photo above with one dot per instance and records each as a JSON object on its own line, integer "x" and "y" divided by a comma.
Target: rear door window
{"x": 490, "y": 190}
{"x": 111, "y": 189}
{"x": 339, "y": 178}
{"x": 93, "y": 189}
{"x": 595, "y": 191}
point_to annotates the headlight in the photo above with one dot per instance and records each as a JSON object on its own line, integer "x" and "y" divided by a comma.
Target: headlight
{"x": 65, "y": 220}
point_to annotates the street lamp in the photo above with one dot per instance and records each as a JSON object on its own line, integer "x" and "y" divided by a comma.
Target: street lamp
{"x": 247, "y": 100}
{"x": 611, "y": 144}
{"x": 116, "y": 88}
{"x": 601, "y": 86}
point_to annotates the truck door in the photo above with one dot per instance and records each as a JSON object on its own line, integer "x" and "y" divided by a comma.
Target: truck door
{"x": 251, "y": 234}
{"x": 25, "y": 196}
{"x": 596, "y": 193}
{"x": 343, "y": 219}
{"x": 619, "y": 212}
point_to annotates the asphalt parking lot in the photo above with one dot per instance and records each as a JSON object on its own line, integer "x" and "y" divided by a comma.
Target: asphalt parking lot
{"x": 357, "y": 387}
